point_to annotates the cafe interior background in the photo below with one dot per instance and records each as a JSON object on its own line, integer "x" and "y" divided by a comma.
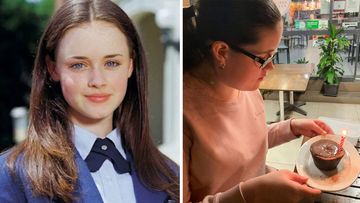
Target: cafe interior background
{"x": 21, "y": 25}
{"x": 305, "y": 24}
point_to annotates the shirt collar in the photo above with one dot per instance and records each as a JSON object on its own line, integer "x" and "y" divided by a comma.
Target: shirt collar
{"x": 84, "y": 140}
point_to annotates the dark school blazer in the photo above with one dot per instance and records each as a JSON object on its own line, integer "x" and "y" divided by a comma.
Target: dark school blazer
{"x": 17, "y": 189}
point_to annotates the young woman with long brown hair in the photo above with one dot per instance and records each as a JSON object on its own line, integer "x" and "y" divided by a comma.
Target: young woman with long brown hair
{"x": 88, "y": 102}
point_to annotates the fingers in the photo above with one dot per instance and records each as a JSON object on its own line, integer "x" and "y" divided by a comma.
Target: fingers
{"x": 311, "y": 133}
{"x": 310, "y": 127}
{"x": 324, "y": 126}
{"x": 302, "y": 187}
{"x": 308, "y": 191}
{"x": 297, "y": 178}
{"x": 318, "y": 128}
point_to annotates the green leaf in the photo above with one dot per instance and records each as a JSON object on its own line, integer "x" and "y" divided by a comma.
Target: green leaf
{"x": 329, "y": 77}
{"x": 329, "y": 67}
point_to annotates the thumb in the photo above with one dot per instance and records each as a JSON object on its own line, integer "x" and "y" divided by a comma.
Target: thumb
{"x": 308, "y": 191}
{"x": 324, "y": 126}
{"x": 298, "y": 178}
{"x": 318, "y": 129}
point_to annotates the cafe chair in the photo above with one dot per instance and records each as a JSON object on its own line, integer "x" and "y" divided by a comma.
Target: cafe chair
{"x": 298, "y": 41}
{"x": 283, "y": 47}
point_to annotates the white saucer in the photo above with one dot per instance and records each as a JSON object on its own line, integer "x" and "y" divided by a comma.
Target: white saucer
{"x": 338, "y": 179}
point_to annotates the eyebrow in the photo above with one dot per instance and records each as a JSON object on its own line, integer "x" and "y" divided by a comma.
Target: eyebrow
{"x": 107, "y": 56}
{"x": 266, "y": 52}
{"x": 112, "y": 55}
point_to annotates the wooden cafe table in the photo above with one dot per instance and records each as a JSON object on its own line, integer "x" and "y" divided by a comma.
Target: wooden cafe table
{"x": 291, "y": 78}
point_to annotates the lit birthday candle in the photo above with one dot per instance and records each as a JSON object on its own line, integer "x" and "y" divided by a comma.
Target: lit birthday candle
{"x": 343, "y": 135}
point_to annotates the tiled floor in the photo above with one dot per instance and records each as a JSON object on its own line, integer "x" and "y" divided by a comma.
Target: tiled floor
{"x": 284, "y": 156}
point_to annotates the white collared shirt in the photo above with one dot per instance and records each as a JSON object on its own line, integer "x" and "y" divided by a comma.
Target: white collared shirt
{"x": 113, "y": 187}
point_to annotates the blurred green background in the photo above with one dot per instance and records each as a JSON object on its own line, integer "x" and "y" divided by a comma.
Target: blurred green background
{"x": 21, "y": 25}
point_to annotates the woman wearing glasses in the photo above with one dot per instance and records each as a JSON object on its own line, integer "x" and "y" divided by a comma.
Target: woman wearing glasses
{"x": 228, "y": 50}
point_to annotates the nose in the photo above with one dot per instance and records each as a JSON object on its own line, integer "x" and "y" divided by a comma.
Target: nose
{"x": 97, "y": 78}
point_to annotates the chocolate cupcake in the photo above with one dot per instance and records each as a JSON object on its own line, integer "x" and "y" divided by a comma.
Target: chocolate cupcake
{"x": 326, "y": 154}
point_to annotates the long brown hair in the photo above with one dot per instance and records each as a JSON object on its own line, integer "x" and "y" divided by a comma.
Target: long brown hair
{"x": 48, "y": 152}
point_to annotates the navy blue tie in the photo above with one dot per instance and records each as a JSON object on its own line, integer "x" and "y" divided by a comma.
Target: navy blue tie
{"x": 105, "y": 149}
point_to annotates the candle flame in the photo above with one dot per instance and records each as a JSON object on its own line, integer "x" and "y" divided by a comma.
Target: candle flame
{"x": 344, "y": 132}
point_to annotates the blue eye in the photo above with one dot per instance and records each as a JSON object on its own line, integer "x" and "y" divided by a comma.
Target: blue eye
{"x": 112, "y": 64}
{"x": 77, "y": 66}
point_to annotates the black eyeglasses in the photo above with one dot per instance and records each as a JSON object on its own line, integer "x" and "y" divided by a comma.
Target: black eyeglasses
{"x": 263, "y": 62}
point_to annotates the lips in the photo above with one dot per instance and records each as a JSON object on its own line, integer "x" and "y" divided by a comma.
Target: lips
{"x": 98, "y": 98}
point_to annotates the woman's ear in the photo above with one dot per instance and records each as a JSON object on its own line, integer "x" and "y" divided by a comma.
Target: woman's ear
{"x": 51, "y": 67}
{"x": 131, "y": 67}
{"x": 219, "y": 50}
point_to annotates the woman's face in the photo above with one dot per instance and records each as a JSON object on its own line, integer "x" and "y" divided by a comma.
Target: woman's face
{"x": 93, "y": 66}
{"x": 243, "y": 73}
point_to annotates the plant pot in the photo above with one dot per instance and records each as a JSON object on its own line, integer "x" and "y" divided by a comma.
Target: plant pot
{"x": 330, "y": 90}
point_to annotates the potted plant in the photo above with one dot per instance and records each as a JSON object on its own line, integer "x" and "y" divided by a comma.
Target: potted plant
{"x": 330, "y": 65}
{"x": 301, "y": 61}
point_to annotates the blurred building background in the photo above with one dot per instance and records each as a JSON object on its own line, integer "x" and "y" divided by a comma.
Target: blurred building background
{"x": 21, "y": 25}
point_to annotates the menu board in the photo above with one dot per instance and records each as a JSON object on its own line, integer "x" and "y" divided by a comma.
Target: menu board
{"x": 352, "y": 6}
{"x": 325, "y": 7}
{"x": 339, "y": 6}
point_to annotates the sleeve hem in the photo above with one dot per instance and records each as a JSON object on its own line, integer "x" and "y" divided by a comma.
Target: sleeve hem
{"x": 232, "y": 195}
